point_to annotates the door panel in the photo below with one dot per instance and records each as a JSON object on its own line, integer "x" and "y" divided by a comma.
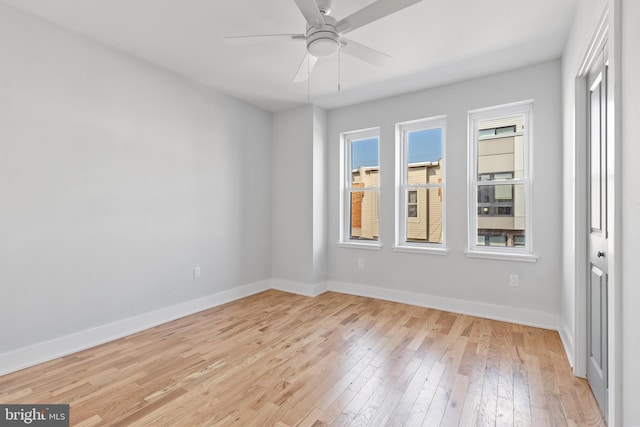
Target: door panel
{"x": 597, "y": 320}
{"x": 595, "y": 152}
{"x": 598, "y": 312}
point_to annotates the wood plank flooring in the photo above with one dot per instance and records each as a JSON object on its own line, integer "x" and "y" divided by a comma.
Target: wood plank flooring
{"x": 277, "y": 359}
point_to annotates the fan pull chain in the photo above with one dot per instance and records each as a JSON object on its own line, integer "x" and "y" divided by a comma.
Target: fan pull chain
{"x": 308, "y": 79}
{"x": 339, "y": 78}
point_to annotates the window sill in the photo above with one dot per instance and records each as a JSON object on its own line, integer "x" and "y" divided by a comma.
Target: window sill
{"x": 358, "y": 245}
{"x": 421, "y": 250}
{"x": 502, "y": 256}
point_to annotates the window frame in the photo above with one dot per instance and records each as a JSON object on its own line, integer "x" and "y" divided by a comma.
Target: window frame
{"x": 346, "y": 189}
{"x": 402, "y": 187}
{"x": 516, "y": 253}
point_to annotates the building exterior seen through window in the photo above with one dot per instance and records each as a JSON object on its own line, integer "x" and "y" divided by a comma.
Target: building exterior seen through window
{"x": 421, "y": 188}
{"x": 501, "y": 198}
{"x": 499, "y": 183}
{"x": 363, "y": 187}
{"x": 424, "y": 204}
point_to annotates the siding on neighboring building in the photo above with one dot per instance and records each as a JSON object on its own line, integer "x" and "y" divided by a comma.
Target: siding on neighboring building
{"x": 425, "y": 227}
{"x": 364, "y": 204}
{"x": 503, "y": 154}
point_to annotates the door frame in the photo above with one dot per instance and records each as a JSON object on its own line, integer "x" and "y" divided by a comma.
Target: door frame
{"x": 607, "y": 33}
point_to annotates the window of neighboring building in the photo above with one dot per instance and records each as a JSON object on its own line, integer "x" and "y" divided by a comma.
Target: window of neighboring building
{"x": 361, "y": 188}
{"x": 420, "y": 207}
{"x": 500, "y": 181}
{"x": 412, "y": 204}
{"x": 496, "y": 200}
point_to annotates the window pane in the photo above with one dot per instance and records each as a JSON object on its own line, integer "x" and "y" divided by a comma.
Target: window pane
{"x": 501, "y": 148}
{"x": 368, "y": 177}
{"x": 364, "y": 215}
{"x": 501, "y": 215}
{"x": 365, "y": 164}
{"x": 421, "y": 146}
{"x": 426, "y": 226}
{"x": 425, "y": 146}
{"x": 424, "y": 155}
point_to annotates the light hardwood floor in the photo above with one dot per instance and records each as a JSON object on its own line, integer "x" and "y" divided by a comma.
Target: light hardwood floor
{"x": 277, "y": 359}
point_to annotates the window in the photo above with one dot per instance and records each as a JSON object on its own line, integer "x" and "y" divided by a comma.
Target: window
{"x": 500, "y": 181}
{"x": 361, "y": 188}
{"x": 412, "y": 204}
{"x": 496, "y": 200}
{"x": 420, "y": 185}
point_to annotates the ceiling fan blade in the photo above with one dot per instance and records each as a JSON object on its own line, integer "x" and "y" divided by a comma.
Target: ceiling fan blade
{"x": 373, "y": 12}
{"x": 311, "y": 12}
{"x": 306, "y": 68}
{"x": 266, "y": 38}
{"x": 364, "y": 53}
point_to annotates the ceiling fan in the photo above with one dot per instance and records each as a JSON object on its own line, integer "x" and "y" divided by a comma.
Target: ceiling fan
{"x": 324, "y": 34}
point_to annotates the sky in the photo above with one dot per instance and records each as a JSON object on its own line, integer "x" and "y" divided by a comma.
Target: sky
{"x": 424, "y": 146}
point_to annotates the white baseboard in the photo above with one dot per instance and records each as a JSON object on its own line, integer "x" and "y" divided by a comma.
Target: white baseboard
{"x": 58, "y": 347}
{"x": 517, "y": 315}
{"x": 567, "y": 342}
{"x": 298, "y": 287}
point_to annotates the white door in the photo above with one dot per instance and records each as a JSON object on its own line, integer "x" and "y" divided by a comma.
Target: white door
{"x": 597, "y": 278}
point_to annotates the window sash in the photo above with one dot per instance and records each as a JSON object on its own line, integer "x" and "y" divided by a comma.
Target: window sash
{"x": 348, "y": 189}
{"x": 495, "y": 113}
{"x": 403, "y": 130}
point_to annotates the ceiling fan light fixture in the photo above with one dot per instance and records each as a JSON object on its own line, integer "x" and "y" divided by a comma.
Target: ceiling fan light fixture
{"x": 323, "y": 47}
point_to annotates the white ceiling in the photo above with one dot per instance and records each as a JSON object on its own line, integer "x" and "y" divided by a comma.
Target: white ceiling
{"x": 432, "y": 43}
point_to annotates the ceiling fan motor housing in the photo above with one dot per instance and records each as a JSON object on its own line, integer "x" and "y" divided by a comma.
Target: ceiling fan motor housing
{"x": 324, "y": 6}
{"x": 323, "y": 40}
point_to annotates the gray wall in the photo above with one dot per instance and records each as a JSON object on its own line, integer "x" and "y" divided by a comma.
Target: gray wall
{"x": 320, "y": 146}
{"x": 292, "y": 157}
{"x": 299, "y": 198}
{"x": 630, "y": 288}
{"x": 456, "y": 275}
{"x": 116, "y": 179}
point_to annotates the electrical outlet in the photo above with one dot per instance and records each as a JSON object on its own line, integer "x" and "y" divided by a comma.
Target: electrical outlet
{"x": 513, "y": 280}
{"x": 196, "y": 272}
{"x": 360, "y": 263}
